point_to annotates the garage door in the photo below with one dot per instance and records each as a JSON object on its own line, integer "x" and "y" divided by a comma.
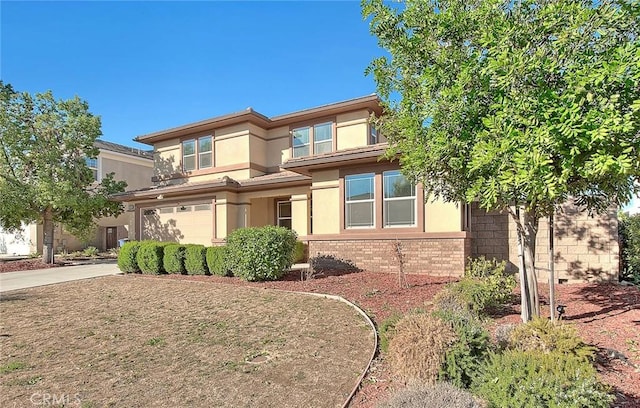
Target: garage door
{"x": 187, "y": 224}
{"x": 15, "y": 243}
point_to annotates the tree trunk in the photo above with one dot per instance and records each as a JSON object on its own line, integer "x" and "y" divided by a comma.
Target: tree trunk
{"x": 552, "y": 274}
{"x": 47, "y": 241}
{"x": 527, "y": 230}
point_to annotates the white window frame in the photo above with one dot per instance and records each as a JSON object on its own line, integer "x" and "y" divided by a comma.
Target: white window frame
{"x": 279, "y": 217}
{"x": 385, "y": 199}
{"x": 197, "y": 154}
{"x": 326, "y": 141}
{"x": 307, "y": 145}
{"x": 371, "y": 200}
{"x": 97, "y": 176}
{"x": 194, "y": 155}
{"x": 200, "y": 153}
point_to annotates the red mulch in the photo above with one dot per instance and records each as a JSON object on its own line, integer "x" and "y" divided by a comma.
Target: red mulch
{"x": 606, "y": 315}
{"x": 26, "y": 265}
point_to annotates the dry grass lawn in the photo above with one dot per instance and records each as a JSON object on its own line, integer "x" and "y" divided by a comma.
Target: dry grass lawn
{"x": 130, "y": 341}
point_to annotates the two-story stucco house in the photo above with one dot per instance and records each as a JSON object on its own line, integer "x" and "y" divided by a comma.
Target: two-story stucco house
{"x": 319, "y": 172}
{"x": 132, "y": 165}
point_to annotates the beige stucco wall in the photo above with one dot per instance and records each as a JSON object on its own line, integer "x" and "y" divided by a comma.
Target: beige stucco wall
{"x": 231, "y": 148}
{"x": 326, "y": 198}
{"x": 440, "y": 216}
{"x": 135, "y": 171}
{"x": 167, "y": 159}
{"x": 352, "y": 129}
{"x": 278, "y": 146}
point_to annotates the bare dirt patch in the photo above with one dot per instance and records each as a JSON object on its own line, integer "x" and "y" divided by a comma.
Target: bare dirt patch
{"x": 131, "y": 341}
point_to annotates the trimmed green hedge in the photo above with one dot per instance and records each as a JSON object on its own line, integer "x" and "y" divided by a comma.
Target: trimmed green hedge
{"x": 173, "y": 260}
{"x": 257, "y": 254}
{"x": 195, "y": 261}
{"x": 150, "y": 257}
{"x": 127, "y": 257}
{"x": 216, "y": 261}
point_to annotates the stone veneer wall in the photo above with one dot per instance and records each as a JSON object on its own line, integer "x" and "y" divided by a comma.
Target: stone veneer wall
{"x": 585, "y": 248}
{"x": 433, "y": 256}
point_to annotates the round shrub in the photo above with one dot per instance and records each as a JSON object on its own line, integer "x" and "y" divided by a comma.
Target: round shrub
{"x": 195, "y": 260}
{"x": 150, "y": 257}
{"x": 469, "y": 350}
{"x": 216, "y": 260}
{"x": 533, "y": 379}
{"x": 438, "y": 395}
{"x": 127, "y": 257}
{"x": 173, "y": 259}
{"x": 499, "y": 283}
{"x": 451, "y": 301}
{"x": 543, "y": 335}
{"x": 418, "y": 347}
{"x": 257, "y": 254}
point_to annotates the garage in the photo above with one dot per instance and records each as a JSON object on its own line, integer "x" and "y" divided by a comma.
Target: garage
{"x": 189, "y": 223}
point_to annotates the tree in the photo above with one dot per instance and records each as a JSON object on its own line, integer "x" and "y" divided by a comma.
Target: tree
{"x": 518, "y": 105}
{"x": 44, "y": 177}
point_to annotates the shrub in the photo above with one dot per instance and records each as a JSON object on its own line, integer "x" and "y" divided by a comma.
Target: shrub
{"x": 469, "y": 350}
{"x": 150, "y": 257}
{"x": 195, "y": 260}
{"x": 450, "y": 301}
{"x": 90, "y": 251}
{"x": 216, "y": 260}
{"x": 300, "y": 252}
{"x": 532, "y": 379}
{"x": 417, "y": 349}
{"x": 439, "y": 395}
{"x": 386, "y": 330}
{"x": 500, "y": 284}
{"x": 629, "y": 233}
{"x": 257, "y": 254}
{"x": 473, "y": 293}
{"x": 127, "y": 257}
{"x": 173, "y": 259}
{"x": 543, "y": 335}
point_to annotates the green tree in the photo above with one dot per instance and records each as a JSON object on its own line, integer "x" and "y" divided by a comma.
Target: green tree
{"x": 44, "y": 177}
{"x": 518, "y": 105}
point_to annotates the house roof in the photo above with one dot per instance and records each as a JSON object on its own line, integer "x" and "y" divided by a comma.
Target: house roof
{"x": 371, "y": 102}
{"x": 222, "y": 184}
{"x": 118, "y": 148}
{"x": 357, "y": 155}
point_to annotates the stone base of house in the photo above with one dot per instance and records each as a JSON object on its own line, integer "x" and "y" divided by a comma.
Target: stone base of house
{"x": 432, "y": 256}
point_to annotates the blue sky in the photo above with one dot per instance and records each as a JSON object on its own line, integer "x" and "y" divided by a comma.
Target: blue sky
{"x": 148, "y": 66}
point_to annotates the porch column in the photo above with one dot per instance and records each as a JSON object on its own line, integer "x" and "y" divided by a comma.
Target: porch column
{"x": 300, "y": 214}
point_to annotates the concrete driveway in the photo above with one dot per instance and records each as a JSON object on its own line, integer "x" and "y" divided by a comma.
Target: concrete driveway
{"x": 39, "y": 277}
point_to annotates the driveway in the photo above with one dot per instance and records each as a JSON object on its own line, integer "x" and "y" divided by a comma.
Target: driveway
{"x": 39, "y": 277}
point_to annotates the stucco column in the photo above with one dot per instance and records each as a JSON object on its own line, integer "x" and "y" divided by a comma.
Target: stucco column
{"x": 300, "y": 214}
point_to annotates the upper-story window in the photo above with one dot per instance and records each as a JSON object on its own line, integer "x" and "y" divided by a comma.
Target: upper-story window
{"x": 197, "y": 153}
{"x": 93, "y": 166}
{"x": 373, "y": 135}
{"x": 312, "y": 140}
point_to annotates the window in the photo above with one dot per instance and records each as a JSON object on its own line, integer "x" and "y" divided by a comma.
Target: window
{"x": 359, "y": 201}
{"x": 166, "y": 210}
{"x": 93, "y": 166}
{"x": 284, "y": 214}
{"x": 202, "y": 207}
{"x": 322, "y": 138}
{"x": 197, "y": 154}
{"x": 301, "y": 142}
{"x": 399, "y": 209}
{"x": 373, "y": 135}
{"x": 312, "y": 140}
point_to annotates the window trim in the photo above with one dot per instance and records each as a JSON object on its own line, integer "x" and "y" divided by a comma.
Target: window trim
{"x": 379, "y": 229}
{"x": 98, "y": 176}
{"x": 368, "y": 200}
{"x": 196, "y": 153}
{"x": 312, "y": 142}
{"x": 414, "y": 197}
{"x": 279, "y": 217}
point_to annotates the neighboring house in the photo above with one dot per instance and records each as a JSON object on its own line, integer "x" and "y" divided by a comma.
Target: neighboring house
{"x": 319, "y": 172}
{"x": 132, "y": 165}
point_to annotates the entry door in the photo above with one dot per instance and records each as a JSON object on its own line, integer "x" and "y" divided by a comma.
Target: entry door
{"x": 112, "y": 237}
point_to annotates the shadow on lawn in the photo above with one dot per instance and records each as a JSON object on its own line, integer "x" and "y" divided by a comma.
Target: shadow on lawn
{"x": 612, "y": 300}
